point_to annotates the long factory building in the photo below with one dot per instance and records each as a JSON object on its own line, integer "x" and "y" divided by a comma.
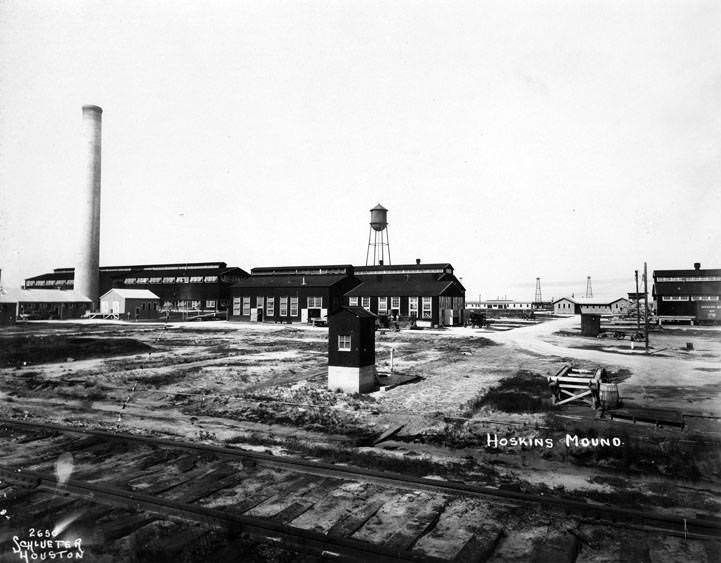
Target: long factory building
{"x": 429, "y": 294}
{"x": 198, "y": 287}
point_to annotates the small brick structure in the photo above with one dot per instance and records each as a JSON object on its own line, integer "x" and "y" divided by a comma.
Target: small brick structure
{"x": 351, "y": 350}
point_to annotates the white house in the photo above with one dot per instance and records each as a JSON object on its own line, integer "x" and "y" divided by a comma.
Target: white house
{"x": 595, "y": 305}
{"x": 133, "y": 303}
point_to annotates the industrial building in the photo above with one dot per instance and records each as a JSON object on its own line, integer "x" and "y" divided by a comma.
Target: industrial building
{"x": 42, "y": 304}
{"x": 291, "y": 293}
{"x": 428, "y": 294}
{"x": 198, "y": 287}
{"x": 500, "y": 305}
{"x": 590, "y": 305}
{"x": 130, "y": 303}
{"x": 688, "y": 295}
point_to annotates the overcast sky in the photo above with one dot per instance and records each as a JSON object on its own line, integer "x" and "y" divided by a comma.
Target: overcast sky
{"x": 512, "y": 139}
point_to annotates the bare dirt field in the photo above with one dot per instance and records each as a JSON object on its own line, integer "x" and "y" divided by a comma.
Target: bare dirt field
{"x": 263, "y": 386}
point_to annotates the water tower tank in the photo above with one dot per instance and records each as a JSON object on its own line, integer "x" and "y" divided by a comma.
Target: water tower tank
{"x": 379, "y": 219}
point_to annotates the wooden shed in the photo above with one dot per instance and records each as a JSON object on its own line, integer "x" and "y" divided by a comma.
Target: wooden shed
{"x": 351, "y": 350}
{"x": 130, "y": 303}
{"x": 590, "y": 324}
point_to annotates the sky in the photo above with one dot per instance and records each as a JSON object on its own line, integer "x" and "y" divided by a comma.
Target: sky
{"x": 514, "y": 140}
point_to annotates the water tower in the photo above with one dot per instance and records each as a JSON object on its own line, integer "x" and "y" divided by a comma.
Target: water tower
{"x": 378, "y": 237}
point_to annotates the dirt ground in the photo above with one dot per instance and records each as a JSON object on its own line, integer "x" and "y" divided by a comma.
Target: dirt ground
{"x": 263, "y": 386}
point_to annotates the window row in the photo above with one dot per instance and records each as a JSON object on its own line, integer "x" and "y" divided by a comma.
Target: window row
{"x": 395, "y": 305}
{"x": 49, "y": 283}
{"x": 192, "y": 304}
{"x": 690, "y": 279}
{"x": 171, "y": 279}
{"x": 692, "y": 298}
{"x": 287, "y": 306}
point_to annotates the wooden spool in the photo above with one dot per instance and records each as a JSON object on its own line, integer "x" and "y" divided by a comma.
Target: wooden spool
{"x": 608, "y": 395}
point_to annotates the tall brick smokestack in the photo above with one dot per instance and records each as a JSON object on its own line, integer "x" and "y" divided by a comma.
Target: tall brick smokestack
{"x": 87, "y": 267}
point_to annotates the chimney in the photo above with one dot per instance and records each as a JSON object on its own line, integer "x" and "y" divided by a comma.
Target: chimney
{"x": 87, "y": 268}
{"x": 380, "y": 262}
{"x": 697, "y": 266}
{"x": 418, "y": 260}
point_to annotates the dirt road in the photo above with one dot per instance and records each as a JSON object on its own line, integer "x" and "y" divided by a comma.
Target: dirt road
{"x": 649, "y": 372}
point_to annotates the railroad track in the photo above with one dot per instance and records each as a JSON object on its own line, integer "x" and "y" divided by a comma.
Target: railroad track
{"x": 285, "y": 500}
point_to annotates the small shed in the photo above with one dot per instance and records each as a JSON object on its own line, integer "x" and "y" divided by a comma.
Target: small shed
{"x": 351, "y": 350}
{"x": 590, "y": 324}
{"x": 132, "y": 303}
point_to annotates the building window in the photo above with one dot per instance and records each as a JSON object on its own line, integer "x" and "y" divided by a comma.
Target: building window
{"x": 413, "y": 306}
{"x": 155, "y": 280}
{"x": 353, "y": 301}
{"x": 210, "y": 279}
{"x": 259, "y": 302}
{"x": 196, "y": 279}
{"x": 675, "y": 298}
{"x": 246, "y": 306}
{"x": 269, "y": 306}
{"x": 366, "y": 303}
{"x": 129, "y": 281}
{"x": 179, "y": 279}
{"x": 283, "y": 306}
{"x": 195, "y": 304}
{"x": 382, "y": 305}
{"x": 315, "y": 302}
{"x": 705, "y": 298}
{"x": 168, "y": 280}
{"x": 344, "y": 342}
{"x": 210, "y": 304}
{"x": 427, "y": 308}
{"x": 690, "y": 278}
{"x": 293, "y": 306}
{"x": 236, "y": 305}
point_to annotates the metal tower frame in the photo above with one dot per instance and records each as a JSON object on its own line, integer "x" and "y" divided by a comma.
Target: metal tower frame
{"x": 380, "y": 248}
{"x": 537, "y": 299}
{"x": 589, "y": 291}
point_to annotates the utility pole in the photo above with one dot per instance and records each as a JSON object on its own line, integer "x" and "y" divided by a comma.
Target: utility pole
{"x": 638, "y": 306}
{"x": 645, "y": 301}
